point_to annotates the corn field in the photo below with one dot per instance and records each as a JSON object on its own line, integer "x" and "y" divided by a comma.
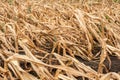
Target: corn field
{"x": 59, "y": 39}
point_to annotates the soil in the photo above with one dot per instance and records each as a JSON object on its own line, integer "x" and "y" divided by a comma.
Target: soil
{"x": 115, "y": 64}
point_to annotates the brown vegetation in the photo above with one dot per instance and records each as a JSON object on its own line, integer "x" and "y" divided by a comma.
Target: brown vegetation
{"x": 59, "y": 39}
